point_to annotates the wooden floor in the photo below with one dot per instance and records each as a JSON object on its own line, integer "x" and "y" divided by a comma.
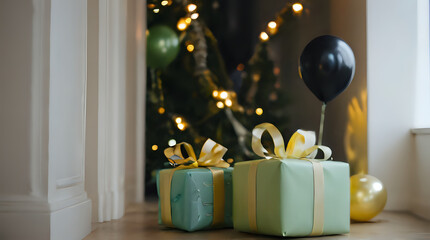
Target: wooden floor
{"x": 140, "y": 222}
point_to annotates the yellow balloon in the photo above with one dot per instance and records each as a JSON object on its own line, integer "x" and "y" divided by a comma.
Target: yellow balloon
{"x": 368, "y": 197}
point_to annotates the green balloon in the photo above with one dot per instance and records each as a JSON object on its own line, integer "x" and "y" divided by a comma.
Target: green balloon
{"x": 162, "y": 46}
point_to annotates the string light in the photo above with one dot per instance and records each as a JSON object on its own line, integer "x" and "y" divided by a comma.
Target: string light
{"x": 256, "y": 77}
{"x": 188, "y": 20}
{"x": 223, "y": 95}
{"x": 272, "y": 27}
{"x": 161, "y": 110}
{"x": 156, "y": 10}
{"x": 259, "y": 111}
{"x": 264, "y": 36}
{"x": 191, "y": 7}
{"x": 164, "y": 3}
{"x": 240, "y": 67}
{"x": 194, "y": 16}
{"x": 272, "y": 24}
{"x": 171, "y": 142}
{"x": 220, "y": 105}
{"x": 215, "y": 93}
{"x": 190, "y": 47}
{"x": 151, "y": 6}
{"x": 276, "y": 71}
{"x": 178, "y": 120}
{"x": 297, "y": 7}
{"x": 181, "y": 126}
{"x": 154, "y": 147}
{"x": 182, "y": 24}
{"x": 228, "y": 102}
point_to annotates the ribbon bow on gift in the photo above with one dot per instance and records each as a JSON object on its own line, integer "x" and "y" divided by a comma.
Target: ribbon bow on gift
{"x": 210, "y": 156}
{"x": 300, "y": 146}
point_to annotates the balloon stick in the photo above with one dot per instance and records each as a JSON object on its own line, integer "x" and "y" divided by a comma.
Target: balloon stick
{"x": 320, "y": 135}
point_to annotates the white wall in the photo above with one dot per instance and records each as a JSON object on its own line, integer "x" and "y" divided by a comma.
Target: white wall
{"x": 394, "y": 60}
{"x": 16, "y": 94}
{"x": 43, "y": 91}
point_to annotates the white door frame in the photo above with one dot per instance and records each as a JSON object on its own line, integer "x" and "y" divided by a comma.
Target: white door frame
{"x": 118, "y": 28}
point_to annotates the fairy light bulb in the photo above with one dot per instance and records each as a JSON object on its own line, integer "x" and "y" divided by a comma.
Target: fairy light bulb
{"x": 154, "y": 147}
{"x": 181, "y": 126}
{"x": 240, "y": 67}
{"x": 194, "y": 16}
{"x": 297, "y": 7}
{"x": 190, "y": 47}
{"x": 156, "y": 10}
{"x": 191, "y": 7}
{"x": 182, "y": 24}
{"x": 264, "y": 36}
{"x": 171, "y": 142}
{"x": 164, "y": 3}
{"x": 259, "y": 111}
{"x": 228, "y": 102}
{"x": 178, "y": 120}
{"x": 215, "y": 93}
{"x": 220, "y": 105}
{"x": 187, "y": 20}
{"x": 161, "y": 110}
{"x": 272, "y": 24}
{"x": 223, "y": 95}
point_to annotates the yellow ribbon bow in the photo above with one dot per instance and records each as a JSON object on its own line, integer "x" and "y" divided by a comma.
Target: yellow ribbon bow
{"x": 210, "y": 156}
{"x": 300, "y": 146}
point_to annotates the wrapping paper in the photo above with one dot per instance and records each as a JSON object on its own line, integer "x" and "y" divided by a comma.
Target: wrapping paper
{"x": 191, "y": 198}
{"x": 285, "y": 197}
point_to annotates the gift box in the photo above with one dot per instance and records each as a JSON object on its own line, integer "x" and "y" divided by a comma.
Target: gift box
{"x": 289, "y": 193}
{"x": 196, "y": 194}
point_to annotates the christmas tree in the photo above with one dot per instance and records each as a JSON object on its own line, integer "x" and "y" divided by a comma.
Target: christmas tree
{"x": 197, "y": 91}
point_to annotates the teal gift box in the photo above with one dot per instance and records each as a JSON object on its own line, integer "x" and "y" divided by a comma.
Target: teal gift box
{"x": 192, "y": 199}
{"x": 289, "y": 193}
{"x": 197, "y": 194}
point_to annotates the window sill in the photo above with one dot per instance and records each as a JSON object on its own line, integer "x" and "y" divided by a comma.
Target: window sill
{"x": 420, "y": 131}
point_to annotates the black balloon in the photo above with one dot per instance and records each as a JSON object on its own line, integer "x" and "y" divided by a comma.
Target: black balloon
{"x": 327, "y": 66}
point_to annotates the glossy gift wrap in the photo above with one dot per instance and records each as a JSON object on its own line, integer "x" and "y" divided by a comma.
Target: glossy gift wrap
{"x": 196, "y": 194}
{"x": 289, "y": 193}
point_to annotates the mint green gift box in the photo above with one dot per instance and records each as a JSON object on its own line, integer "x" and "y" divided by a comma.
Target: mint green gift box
{"x": 191, "y": 199}
{"x": 276, "y": 196}
{"x": 285, "y": 197}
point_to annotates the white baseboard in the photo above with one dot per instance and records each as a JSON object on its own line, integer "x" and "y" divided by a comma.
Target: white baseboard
{"x": 73, "y": 222}
{"x": 70, "y": 223}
